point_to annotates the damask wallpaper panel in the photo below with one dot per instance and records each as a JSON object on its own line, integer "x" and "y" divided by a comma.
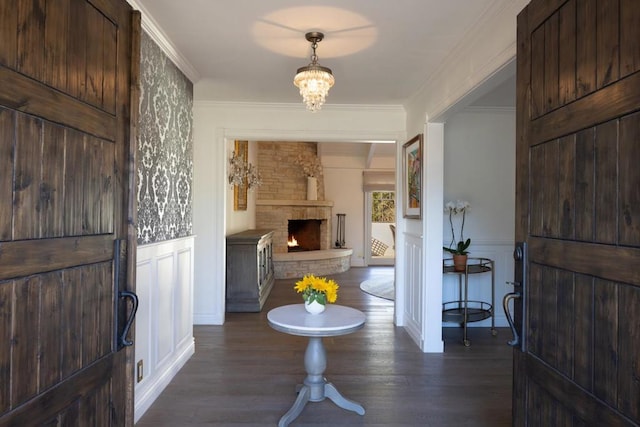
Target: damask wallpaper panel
{"x": 165, "y": 148}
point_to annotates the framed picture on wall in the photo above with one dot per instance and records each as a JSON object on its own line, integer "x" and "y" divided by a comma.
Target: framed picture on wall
{"x": 240, "y": 191}
{"x": 412, "y": 177}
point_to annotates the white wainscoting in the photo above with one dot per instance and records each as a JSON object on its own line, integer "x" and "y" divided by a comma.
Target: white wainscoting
{"x": 480, "y": 284}
{"x": 164, "y": 322}
{"x": 413, "y": 290}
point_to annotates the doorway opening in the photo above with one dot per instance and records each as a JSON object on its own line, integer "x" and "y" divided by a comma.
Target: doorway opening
{"x": 381, "y": 227}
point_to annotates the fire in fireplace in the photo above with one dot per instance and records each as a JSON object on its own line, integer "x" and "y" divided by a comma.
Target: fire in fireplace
{"x": 304, "y": 235}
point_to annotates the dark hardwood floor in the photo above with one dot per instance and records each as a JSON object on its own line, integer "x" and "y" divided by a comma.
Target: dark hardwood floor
{"x": 244, "y": 373}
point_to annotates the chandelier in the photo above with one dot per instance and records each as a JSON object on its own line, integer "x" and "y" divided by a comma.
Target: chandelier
{"x": 314, "y": 80}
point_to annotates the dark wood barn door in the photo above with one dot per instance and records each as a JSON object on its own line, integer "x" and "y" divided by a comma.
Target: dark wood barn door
{"x": 67, "y": 70}
{"x": 578, "y": 210}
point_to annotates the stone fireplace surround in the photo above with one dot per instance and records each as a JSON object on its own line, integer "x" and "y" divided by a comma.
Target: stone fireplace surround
{"x": 282, "y": 197}
{"x": 275, "y": 215}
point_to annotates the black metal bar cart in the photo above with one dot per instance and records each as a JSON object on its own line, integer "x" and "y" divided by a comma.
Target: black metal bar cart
{"x": 463, "y": 310}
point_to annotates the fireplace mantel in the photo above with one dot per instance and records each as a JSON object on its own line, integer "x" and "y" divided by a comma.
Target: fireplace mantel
{"x": 326, "y": 203}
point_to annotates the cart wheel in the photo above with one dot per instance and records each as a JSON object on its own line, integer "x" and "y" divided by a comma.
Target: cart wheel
{"x": 467, "y": 343}
{"x": 494, "y": 332}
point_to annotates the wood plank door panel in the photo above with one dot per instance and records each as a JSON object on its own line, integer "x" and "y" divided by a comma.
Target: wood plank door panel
{"x": 67, "y": 82}
{"x": 578, "y": 210}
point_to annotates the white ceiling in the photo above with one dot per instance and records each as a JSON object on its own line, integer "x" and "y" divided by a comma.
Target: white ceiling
{"x": 380, "y": 51}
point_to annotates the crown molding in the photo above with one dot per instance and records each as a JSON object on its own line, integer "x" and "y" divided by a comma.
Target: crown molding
{"x": 151, "y": 27}
{"x": 315, "y": 135}
{"x": 461, "y": 50}
{"x": 491, "y": 22}
{"x": 482, "y": 74}
{"x": 299, "y": 106}
{"x": 488, "y": 110}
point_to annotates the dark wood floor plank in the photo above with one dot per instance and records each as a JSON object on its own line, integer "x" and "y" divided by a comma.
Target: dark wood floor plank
{"x": 244, "y": 373}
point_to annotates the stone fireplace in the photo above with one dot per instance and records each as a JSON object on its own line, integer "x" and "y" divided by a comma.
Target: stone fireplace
{"x": 276, "y": 214}
{"x": 282, "y": 199}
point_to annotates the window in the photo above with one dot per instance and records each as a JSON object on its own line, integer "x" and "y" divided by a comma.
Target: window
{"x": 384, "y": 206}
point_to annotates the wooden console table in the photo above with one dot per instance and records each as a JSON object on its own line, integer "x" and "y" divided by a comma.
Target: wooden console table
{"x": 249, "y": 270}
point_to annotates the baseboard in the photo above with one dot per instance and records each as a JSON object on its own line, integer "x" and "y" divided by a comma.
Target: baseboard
{"x": 208, "y": 319}
{"x": 382, "y": 261}
{"x": 413, "y": 329}
{"x": 146, "y": 394}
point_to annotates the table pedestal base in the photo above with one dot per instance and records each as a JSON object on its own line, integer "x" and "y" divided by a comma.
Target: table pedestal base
{"x": 315, "y": 387}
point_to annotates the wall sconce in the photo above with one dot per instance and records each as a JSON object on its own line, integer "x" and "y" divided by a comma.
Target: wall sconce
{"x": 253, "y": 177}
{"x": 243, "y": 173}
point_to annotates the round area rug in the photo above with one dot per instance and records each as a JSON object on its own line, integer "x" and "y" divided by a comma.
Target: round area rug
{"x": 382, "y": 288}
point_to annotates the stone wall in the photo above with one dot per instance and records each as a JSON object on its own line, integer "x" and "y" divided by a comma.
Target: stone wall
{"x": 282, "y": 177}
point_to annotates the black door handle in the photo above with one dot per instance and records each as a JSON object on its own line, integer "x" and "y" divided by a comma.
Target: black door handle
{"x": 122, "y": 338}
{"x": 515, "y": 342}
{"x": 121, "y": 312}
{"x": 517, "y": 322}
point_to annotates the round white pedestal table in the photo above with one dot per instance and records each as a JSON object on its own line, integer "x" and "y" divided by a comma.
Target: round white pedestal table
{"x": 336, "y": 320}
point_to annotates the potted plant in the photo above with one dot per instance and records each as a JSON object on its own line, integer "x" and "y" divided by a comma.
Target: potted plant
{"x": 458, "y": 249}
{"x": 317, "y": 292}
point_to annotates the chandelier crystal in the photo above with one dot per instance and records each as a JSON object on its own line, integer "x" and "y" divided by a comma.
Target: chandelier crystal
{"x": 314, "y": 80}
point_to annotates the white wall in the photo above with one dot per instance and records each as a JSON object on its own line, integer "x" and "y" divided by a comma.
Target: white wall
{"x": 217, "y": 123}
{"x": 480, "y": 62}
{"x": 479, "y": 167}
{"x": 344, "y": 187}
{"x": 343, "y": 184}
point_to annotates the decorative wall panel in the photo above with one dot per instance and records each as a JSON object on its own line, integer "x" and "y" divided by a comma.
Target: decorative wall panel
{"x": 163, "y": 327}
{"x": 165, "y": 148}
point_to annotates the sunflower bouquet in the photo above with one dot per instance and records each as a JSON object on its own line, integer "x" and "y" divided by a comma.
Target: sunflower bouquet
{"x": 319, "y": 289}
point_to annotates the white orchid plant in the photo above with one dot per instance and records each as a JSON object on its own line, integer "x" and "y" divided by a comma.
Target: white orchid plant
{"x": 453, "y": 209}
